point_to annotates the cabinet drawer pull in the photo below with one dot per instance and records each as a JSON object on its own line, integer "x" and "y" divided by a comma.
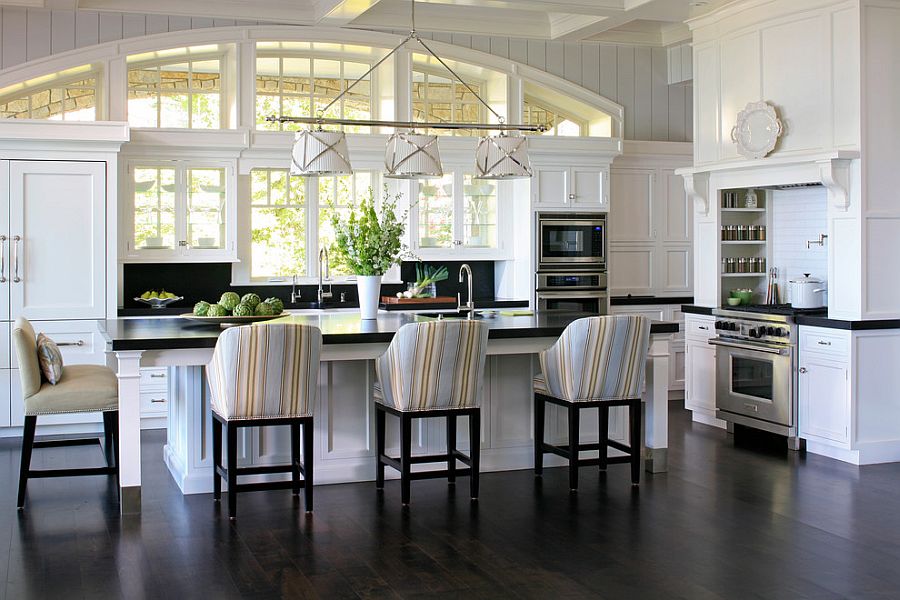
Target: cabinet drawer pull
{"x": 823, "y": 343}
{"x": 157, "y": 400}
{"x": 703, "y": 327}
{"x": 157, "y": 375}
{"x": 78, "y": 343}
{"x": 803, "y": 369}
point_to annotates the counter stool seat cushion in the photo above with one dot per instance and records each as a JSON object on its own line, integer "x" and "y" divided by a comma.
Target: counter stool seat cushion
{"x": 82, "y": 388}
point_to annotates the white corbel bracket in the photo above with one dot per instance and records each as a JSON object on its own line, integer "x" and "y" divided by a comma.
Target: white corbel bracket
{"x": 835, "y": 176}
{"x": 696, "y": 186}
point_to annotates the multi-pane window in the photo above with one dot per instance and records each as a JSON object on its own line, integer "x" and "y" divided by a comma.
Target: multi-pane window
{"x": 304, "y": 86}
{"x": 440, "y": 99}
{"x": 436, "y": 212}
{"x": 480, "y": 213}
{"x": 73, "y": 100}
{"x": 557, "y": 123}
{"x": 284, "y": 239}
{"x": 184, "y": 94}
{"x": 278, "y": 223}
{"x": 205, "y": 207}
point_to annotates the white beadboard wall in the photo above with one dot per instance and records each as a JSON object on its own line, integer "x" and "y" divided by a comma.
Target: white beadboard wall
{"x": 634, "y": 76}
{"x": 798, "y": 216}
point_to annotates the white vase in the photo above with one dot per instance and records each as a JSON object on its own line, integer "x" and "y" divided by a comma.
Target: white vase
{"x": 369, "y": 289}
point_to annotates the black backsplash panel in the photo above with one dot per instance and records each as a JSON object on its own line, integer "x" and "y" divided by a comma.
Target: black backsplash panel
{"x": 207, "y": 281}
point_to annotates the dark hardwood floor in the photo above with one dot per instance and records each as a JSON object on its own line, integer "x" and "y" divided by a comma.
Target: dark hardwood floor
{"x": 724, "y": 522}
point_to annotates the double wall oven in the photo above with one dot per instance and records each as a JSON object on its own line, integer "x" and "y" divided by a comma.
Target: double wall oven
{"x": 571, "y": 262}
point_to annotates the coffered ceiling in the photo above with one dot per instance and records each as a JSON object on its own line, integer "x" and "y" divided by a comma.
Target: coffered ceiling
{"x": 650, "y": 22}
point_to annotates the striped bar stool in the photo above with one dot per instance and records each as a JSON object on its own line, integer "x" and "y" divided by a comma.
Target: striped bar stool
{"x": 597, "y": 362}
{"x": 432, "y": 369}
{"x": 261, "y": 375}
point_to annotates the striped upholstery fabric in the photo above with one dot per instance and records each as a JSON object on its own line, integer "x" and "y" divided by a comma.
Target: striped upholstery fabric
{"x": 433, "y": 365}
{"x": 596, "y": 358}
{"x": 265, "y": 371}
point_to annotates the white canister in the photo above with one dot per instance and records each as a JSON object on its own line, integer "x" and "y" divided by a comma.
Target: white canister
{"x": 807, "y": 292}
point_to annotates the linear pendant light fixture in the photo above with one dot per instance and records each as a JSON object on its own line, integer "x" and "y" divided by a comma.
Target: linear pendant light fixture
{"x": 408, "y": 154}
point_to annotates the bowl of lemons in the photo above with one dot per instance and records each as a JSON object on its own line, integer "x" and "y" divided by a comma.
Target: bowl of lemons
{"x": 158, "y": 299}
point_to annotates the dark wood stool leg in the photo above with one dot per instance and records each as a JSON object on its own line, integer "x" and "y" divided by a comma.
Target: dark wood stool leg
{"x": 295, "y": 458}
{"x": 538, "y": 435}
{"x": 573, "y": 446}
{"x": 217, "y": 458}
{"x": 634, "y": 422}
{"x": 451, "y": 448}
{"x": 231, "y": 469}
{"x": 474, "y": 449}
{"x": 27, "y": 447}
{"x": 308, "y": 461}
{"x": 379, "y": 447}
{"x": 603, "y": 411}
{"x": 405, "y": 456}
{"x": 108, "y": 440}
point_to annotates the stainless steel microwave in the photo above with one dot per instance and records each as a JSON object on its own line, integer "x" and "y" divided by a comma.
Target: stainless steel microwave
{"x": 571, "y": 239}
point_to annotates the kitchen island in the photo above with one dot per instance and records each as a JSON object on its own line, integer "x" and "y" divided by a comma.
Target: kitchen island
{"x": 344, "y": 413}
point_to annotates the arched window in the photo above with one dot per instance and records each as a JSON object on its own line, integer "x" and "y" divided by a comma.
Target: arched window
{"x": 301, "y": 79}
{"x": 66, "y": 96}
{"x": 557, "y": 121}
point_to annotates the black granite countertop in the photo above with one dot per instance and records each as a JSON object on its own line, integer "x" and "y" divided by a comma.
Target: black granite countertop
{"x": 170, "y": 311}
{"x": 693, "y": 309}
{"x": 631, "y": 300}
{"x": 823, "y": 321}
{"x": 337, "y": 328}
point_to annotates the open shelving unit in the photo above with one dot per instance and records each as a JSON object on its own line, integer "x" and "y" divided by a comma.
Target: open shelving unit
{"x": 740, "y": 215}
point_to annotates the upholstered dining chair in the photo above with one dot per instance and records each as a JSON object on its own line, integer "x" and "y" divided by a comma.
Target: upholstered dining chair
{"x": 262, "y": 375}
{"x": 597, "y": 362}
{"x": 431, "y": 369}
{"x": 81, "y": 388}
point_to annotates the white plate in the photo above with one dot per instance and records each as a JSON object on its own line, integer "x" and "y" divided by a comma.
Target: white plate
{"x": 757, "y": 130}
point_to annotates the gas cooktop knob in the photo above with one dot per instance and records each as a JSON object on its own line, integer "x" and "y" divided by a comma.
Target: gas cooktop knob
{"x": 755, "y": 332}
{"x": 783, "y": 332}
{"x": 718, "y": 324}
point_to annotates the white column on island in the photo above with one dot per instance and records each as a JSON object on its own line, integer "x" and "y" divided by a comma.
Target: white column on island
{"x": 656, "y": 405}
{"x": 129, "y": 375}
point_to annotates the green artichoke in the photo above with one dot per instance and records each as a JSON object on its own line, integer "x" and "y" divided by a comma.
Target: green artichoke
{"x": 277, "y": 305}
{"x": 264, "y": 309}
{"x": 229, "y": 300}
{"x": 243, "y": 310}
{"x": 217, "y": 310}
{"x": 201, "y": 309}
{"x": 251, "y": 299}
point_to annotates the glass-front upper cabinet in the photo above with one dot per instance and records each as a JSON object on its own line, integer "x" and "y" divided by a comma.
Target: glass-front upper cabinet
{"x": 179, "y": 211}
{"x": 457, "y": 215}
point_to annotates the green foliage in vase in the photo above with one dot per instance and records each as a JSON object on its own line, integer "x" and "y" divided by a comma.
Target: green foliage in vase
{"x": 366, "y": 243}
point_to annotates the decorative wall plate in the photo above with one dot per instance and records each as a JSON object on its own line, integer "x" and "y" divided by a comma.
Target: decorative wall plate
{"x": 757, "y": 130}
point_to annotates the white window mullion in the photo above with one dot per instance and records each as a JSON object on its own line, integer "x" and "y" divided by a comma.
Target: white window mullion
{"x": 312, "y": 225}
{"x": 181, "y": 206}
{"x": 458, "y": 202}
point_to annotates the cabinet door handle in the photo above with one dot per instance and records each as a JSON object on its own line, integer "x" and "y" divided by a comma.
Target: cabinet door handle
{"x": 803, "y": 369}
{"x": 823, "y": 343}
{"x": 571, "y": 196}
{"x": 16, "y": 278}
{"x": 3, "y": 278}
{"x": 76, "y": 343}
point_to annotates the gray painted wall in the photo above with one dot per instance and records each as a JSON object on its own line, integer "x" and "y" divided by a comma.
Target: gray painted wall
{"x": 634, "y": 76}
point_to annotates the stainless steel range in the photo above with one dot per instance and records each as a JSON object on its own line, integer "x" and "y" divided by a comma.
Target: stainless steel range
{"x": 756, "y": 369}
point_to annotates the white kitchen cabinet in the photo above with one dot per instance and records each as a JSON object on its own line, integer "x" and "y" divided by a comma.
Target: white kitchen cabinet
{"x": 154, "y": 396}
{"x": 179, "y": 211}
{"x": 459, "y": 217}
{"x": 824, "y": 386}
{"x": 573, "y": 188}
{"x": 650, "y": 229}
{"x": 663, "y": 312}
{"x": 700, "y": 368}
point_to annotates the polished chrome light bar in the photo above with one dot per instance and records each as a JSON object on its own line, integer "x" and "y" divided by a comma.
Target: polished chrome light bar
{"x": 408, "y": 124}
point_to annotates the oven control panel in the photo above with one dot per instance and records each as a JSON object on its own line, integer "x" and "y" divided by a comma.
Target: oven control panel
{"x": 754, "y": 330}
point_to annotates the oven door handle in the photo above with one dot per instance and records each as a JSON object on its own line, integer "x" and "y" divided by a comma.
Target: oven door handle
{"x": 575, "y": 294}
{"x": 752, "y": 348}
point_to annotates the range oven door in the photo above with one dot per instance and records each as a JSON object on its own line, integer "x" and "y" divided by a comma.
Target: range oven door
{"x": 580, "y": 242}
{"x": 594, "y": 302}
{"x": 755, "y": 381}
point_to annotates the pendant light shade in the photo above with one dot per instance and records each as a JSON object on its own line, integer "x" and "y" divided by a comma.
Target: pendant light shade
{"x": 320, "y": 153}
{"x": 502, "y": 157}
{"x": 412, "y": 156}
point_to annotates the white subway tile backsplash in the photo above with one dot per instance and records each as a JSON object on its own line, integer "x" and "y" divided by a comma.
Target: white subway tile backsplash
{"x": 799, "y": 216}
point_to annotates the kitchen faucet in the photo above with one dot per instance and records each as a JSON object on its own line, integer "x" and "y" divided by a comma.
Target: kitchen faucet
{"x": 323, "y": 259}
{"x": 469, "y": 306}
{"x": 295, "y": 295}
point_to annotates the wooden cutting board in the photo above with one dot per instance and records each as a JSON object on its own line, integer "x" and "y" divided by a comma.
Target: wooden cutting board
{"x": 419, "y": 301}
